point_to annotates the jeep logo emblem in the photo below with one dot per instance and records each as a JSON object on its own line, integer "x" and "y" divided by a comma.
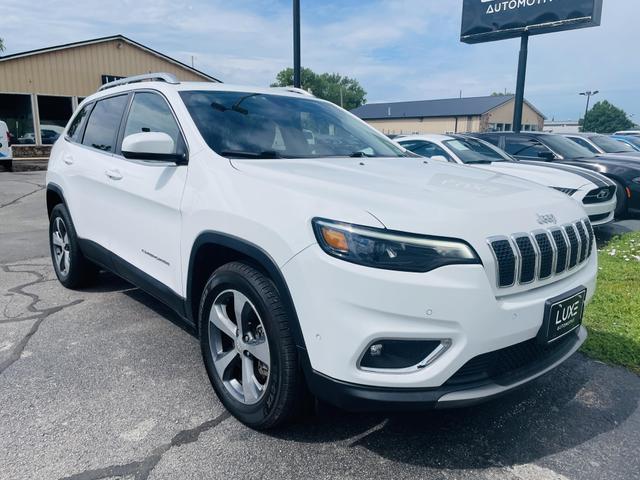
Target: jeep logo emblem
{"x": 547, "y": 219}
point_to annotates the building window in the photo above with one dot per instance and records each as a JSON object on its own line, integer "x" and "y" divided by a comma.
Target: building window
{"x": 15, "y": 111}
{"x": 110, "y": 78}
{"x": 54, "y": 114}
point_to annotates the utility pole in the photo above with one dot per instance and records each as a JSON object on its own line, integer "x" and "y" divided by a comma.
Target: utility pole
{"x": 587, "y": 94}
{"x": 522, "y": 75}
{"x": 296, "y": 43}
{"x": 341, "y": 98}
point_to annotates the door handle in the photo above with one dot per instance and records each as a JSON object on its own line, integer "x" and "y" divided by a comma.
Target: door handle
{"x": 68, "y": 159}
{"x": 113, "y": 174}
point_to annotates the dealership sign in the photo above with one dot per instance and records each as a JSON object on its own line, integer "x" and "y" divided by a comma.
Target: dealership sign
{"x": 488, "y": 20}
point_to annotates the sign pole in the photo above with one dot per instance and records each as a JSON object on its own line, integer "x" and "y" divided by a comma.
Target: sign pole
{"x": 296, "y": 43}
{"x": 522, "y": 74}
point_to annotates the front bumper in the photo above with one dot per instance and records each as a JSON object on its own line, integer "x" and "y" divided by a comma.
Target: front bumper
{"x": 342, "y": 308}
{"x": 600, "y": 213}
{"x": 364, "y": 398}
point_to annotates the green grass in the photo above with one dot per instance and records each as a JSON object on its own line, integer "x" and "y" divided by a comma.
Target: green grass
{"x": 613, "y": 316}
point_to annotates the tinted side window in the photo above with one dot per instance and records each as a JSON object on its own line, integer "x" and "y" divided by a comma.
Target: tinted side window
{"x": 103, "y": 123}
{"x": 150, "y": 113}
{"x": 524, "y": 147}
{"x": 583, "y": 143}
{"x": 428, "y": 149}
{"x": 75, "y": 129}
{"x": 495, "y": 139}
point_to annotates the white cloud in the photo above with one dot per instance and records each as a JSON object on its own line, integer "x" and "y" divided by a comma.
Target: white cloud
{"x": 399, "y": 50}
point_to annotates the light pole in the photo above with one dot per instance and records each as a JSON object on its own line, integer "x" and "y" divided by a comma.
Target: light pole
{"x": 587, "y": 94}
{"x": 296, "y": 43}
{"x": 522, "y": 74}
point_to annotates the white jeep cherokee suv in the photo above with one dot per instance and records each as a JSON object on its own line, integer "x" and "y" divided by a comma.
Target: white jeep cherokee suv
{"x": 336, "y": 263}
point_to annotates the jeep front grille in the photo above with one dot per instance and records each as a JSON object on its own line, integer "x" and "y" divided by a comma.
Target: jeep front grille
{"x": 523, "y": 258}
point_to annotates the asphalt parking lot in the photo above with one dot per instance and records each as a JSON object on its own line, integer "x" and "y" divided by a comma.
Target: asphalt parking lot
{"x": 101, "y": 384}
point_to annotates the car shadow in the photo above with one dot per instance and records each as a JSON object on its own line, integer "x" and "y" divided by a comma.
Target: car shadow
{"x": 565, "y": 408}
{"x": 108, "y": 282}
{"x": 160, "y": 309}
{"x": 572, "y": 405}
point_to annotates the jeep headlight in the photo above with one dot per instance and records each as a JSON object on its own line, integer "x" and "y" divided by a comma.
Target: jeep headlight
{"x": 390, "y": 250}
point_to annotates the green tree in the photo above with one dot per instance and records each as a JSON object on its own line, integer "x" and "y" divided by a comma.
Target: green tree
{"x": 501, "y": 94}
{"x": 605, "y": 118}
{"x": 333, "y": 87}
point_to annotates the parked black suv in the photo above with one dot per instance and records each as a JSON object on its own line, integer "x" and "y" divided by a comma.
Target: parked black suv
{"x": 547, "y": 147}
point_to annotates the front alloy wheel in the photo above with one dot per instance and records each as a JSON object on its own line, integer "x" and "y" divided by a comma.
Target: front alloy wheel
{"x": 248, "y": 349}
{"x": 239, "y": 346}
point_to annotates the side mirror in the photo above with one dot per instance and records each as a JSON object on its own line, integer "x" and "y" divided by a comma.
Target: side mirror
{"x": 156, "y": 146}
{"x": 440, "y": 158}
{"x": 547, "y": 156}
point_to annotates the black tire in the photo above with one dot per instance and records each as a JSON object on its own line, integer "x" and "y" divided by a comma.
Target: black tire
{"x": 284, "y": 391}
{"x": 621, "y": 205}
{"x": 78, "y": 272}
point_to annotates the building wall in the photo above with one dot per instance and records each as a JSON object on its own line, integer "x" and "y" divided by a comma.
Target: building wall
{"x": 500, "y": 115}
{"x": 39, "y": 92}
{"x": 559, "y": 127}
{"x": 77, "y": 71}
{"x": 504, "y": 115}
{"x": 427, "y": 125}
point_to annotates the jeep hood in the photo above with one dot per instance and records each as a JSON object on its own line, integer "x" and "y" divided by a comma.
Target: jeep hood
{"x": 412, "y": 194}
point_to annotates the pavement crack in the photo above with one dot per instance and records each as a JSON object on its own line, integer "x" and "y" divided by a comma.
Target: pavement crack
{"x": 141, "y": 469}
{"x": 15, "y": 200}
{"x": 38, "y": 315}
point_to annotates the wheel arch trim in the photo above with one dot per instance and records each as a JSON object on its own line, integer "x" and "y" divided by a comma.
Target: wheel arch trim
{"x": 57, "y": 189}
{"x": 258, "y": 255}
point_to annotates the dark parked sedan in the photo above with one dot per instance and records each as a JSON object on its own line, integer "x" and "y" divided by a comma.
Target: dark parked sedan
{"x": 546, "y": 147}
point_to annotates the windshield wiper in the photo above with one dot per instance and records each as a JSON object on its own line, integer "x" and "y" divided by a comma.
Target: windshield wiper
{"x": 360, "y": 154}
{"x": 481, "y": 162}
{"x": 239, "y": 154}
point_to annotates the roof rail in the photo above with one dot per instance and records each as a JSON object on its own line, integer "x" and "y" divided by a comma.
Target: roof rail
{"x": 158, "y": 77}
{"x": 296, "y": 90}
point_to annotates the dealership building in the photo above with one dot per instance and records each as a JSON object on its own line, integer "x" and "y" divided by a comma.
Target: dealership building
{"x": 40, "y": 89}
{"x": 451, "y": 115}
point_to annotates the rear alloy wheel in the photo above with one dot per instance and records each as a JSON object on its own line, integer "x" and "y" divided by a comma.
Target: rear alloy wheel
{"x": 248, "y": 349}
{"x": 61, "y": 247}
{"x": 71, "y": 267}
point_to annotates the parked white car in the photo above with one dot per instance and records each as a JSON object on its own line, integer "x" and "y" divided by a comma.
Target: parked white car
{"x": 5, "y": 149}
{"x": 348, "y": 267}
{"x": 595, "y": 192}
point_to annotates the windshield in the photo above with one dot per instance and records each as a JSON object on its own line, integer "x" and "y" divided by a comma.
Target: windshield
{"x": 565, "y": 147}
{"x": 609, "y": 145}
{"x": 256, "y": 125}
{"x": 471, "y": 150}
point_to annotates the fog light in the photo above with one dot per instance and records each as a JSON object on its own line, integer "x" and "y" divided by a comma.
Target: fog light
{"x": 402, "y": 354}
{"x": 375, "y": 350}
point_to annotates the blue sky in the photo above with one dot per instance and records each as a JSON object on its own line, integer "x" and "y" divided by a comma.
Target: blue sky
{"x": 398, "y": 50}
